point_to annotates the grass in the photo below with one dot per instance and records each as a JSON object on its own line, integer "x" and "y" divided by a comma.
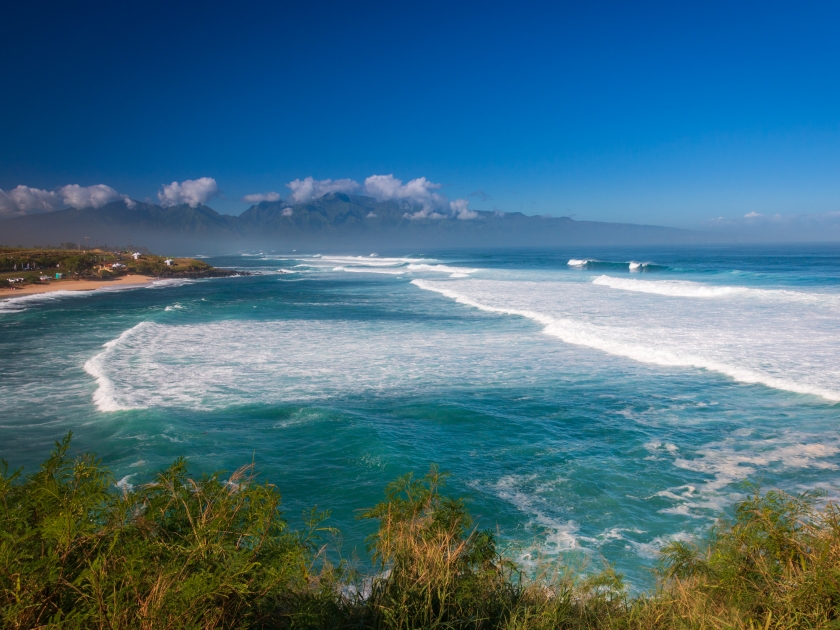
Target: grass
{"x": 216, "y": 552}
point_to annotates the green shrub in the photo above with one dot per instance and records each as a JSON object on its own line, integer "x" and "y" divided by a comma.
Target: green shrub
{"x": 176, "y": 553}
{"x": 214, "y": 552}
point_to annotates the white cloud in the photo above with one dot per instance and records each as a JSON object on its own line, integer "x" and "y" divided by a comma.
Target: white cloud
{"x": 260, "y": 197}
{"x": 287, "y": 212}
{"x": 95, "y": 196}
{"x": 419, "y": 196}
{"x": 752, "y": 215}
{"x": 461, "y": 208}
{"x": 25, "y": 200}
{"x": 191, "y": 191}
{"x": 304, "y": 190}
{"x": 418, "y": 191}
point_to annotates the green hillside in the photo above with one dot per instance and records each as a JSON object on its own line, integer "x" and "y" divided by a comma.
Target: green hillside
{"x": 40, "y": 265}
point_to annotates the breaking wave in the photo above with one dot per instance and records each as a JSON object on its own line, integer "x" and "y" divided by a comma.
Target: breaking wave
{"x": 18, "y": 304}
{"x": 685, "y": 288}
{"x": 390, "y": 272}
{"x": 617, "y": 341}
{"x": 632, "y": 265}
{"x": 228, "y": 363}
{"x": 105, "y": 397}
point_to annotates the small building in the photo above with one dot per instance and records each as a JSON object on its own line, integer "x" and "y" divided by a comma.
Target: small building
{"x": 118, "y": 266}
{"x": 168, "y": 262}
{"x": 136, "y": 255}
{"x": 59, "y": 276}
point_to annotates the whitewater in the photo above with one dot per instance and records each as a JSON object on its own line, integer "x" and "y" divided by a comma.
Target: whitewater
{"x": 590, "y": 404}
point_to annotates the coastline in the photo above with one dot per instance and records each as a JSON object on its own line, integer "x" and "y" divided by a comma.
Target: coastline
{"x": 73, "y": 285}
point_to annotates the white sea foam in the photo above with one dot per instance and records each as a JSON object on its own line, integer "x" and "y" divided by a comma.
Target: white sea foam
{"x": 674, "y": 288}
{"x": 652, "y": 548}
{"x": 632, "y": 265}
{"x": 169, "y": 283}
{"x": 392, "y": 266}
{"x": 734, "y": 459}
{"x": 367, "y": 261}
{"x": 124, "y": 485}
{"x": 559, "y": 534}
{"x": 666, "y": 347}
{"x": 105, "y": 396}
{"x": 390, "y": 272}
{"x": 227, "y": 363}
{"x": 454, "y": 272}
{"x": 685, "y": 288}
{"x": 17, "y": 304}
{"x": 730, "y": 461}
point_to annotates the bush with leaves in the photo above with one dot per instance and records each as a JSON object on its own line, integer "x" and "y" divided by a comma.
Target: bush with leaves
{"x": 176, "y": 553}
{"x": 210, "y": 552}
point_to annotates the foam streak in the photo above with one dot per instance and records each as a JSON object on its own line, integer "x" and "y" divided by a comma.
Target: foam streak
{"x": 583, "y": 334}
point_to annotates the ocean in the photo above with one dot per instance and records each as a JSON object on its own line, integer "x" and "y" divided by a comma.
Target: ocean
{"x": 591, "y": 404}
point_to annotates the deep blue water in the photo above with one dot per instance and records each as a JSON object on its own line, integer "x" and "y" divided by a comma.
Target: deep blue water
{"x": 586, "y": 409}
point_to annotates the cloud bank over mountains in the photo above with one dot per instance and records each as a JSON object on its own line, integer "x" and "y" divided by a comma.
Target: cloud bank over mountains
{"x": 304, "y": 190}
{"x": 418, "y": 199}
{"x": 260, "y": 197}
{"x": 192, "y": 192}
{"x": 95, "y": 196}
{"x": 24, "y": 200}
{"x": 419, "y": 195}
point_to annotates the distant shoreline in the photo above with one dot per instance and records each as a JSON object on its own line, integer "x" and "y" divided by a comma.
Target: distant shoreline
{"x": 73, "y": 285}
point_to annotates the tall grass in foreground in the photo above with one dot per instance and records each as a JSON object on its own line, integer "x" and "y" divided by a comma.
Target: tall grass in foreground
{"x": 182, "y": 552}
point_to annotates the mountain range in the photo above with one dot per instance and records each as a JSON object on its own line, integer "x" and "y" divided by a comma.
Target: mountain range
{"x": 335, "y": 221}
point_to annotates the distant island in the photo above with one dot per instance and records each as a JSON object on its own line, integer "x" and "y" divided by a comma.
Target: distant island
{"x": 41, "y": 270}
{"x": 335, "y": 222}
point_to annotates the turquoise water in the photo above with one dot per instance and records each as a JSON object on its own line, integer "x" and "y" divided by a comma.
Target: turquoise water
{"x": 593, "y": 403}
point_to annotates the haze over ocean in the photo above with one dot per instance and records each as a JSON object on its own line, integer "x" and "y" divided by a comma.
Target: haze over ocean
{"x": 592, "y": 403}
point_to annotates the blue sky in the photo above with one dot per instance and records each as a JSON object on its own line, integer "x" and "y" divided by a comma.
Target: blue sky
{"x": 668, "y": 113}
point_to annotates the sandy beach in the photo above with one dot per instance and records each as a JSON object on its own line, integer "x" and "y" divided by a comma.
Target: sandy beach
{"x": 72, "y": 285}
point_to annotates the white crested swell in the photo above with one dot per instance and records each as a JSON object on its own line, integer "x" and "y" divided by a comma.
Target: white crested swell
{"x": 18, "y": 304}
{"x": 368, "y": 261}
{"x": 105, "y": 396}
{"x": 686, "y": 288}
{"x": 651, "y": 348}
{"x": 390, "y": 272}
{"x": 226, "y": 363}
{"x": 389, "y": 266}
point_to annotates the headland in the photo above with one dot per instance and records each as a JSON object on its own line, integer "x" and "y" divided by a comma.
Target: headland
{"x": 27, "y": 271}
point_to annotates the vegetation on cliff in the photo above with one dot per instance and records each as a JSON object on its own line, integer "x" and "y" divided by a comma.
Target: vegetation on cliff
{"x": 216, "y": 552}
{"x": 28, "y": 266}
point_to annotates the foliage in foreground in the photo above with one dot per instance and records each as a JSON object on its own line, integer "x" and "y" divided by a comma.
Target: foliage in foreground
{"x": 182, "y": 552}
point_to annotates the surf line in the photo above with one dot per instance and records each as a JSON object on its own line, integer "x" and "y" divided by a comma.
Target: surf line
{"x": 105, "y": 396}
{"x": 581, "y": 334}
